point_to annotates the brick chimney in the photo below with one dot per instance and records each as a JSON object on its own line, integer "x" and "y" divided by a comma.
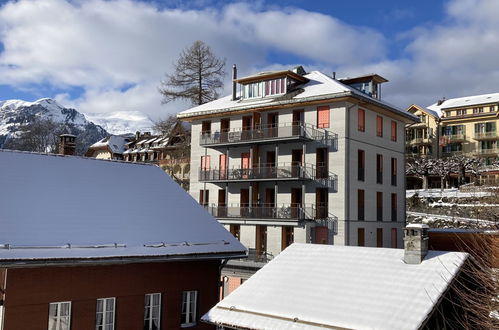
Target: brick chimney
{"x": 415, "y": 243}
{"x": 67, "y": 144}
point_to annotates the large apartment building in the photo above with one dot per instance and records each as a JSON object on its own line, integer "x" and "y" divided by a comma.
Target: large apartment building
{"x": 292, "y": 156}
{"x": 458, "y": 126}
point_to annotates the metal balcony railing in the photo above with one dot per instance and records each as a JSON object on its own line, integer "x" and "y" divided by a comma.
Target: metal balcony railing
{"x": 265, "y": 211}
{"x": 281, "y": 171}
{"x": 491, "y": 151}
{"x": 485, "y": 135}
{"x": 456, "y": 137}
{"x": 284, "y": 131}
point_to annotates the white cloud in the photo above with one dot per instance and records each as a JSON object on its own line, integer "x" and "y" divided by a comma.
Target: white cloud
{"x": 102, "y": 46}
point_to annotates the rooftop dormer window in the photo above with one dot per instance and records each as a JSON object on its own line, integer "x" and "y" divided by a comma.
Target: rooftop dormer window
{"x": 264, "y": 88}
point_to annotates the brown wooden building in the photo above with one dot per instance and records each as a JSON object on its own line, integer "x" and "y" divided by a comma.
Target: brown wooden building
{"x": 79, "y": 251}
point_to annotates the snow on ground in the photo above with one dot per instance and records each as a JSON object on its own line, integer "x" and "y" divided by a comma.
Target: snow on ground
{"x": 453, "y": 192}
{"x": 429, "y": 218}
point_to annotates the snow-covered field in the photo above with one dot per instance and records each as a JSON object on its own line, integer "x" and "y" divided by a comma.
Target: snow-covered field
{"x": 449, "y": 193}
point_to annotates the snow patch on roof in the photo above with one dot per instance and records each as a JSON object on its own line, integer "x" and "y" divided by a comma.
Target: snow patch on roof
{"x": 115, "y": 142}
{"x": 466, "y": 101}
{"x": 308, "y": 286}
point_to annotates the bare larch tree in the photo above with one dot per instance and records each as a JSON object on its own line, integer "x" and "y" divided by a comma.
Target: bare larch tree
{"x": 197, "y": 77}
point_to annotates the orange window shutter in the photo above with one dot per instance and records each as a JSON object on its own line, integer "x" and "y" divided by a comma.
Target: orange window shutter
{"x": 323, "y": 117}
{"x": 245, "y": 160}
{"x": 362, "y": 120}
{"x": 223, "y": 159}
{"x": 394, "y": 131}
{"x": 379, "y": 126}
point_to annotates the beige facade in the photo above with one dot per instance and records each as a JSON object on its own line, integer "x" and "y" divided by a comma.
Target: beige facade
{"x": 422, "y": 137}
{"x": 274, "y": 175}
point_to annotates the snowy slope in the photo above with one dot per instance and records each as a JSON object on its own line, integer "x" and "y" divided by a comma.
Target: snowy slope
{"x": 122, "y": 122}
{"x": 14, "y": 113}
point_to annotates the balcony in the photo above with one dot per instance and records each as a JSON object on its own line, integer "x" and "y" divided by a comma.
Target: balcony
{"x": 452, "y": 153}
{"x": 419, "y": 140}
{"x": 264, "y": 134}
{"x": 487, "y": 152}
{"x": 281, "y": 212}
{"x": 486, "y": 135}
{"x": 455, "y": 137}
{"x": 281, "y": 172}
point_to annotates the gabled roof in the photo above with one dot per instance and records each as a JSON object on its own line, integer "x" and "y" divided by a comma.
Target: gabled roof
{"x": 115, "y": 143}
{"x": 466, "y": 101}
{"x": 311, "y": 286}
{"x": 319, "y": 87}
{"x": 71, "y": 209}
{"x": 425, "y": 110}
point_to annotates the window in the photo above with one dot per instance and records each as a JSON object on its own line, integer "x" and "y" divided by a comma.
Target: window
{"x": 379, "y": 126}
{"x": 361, "y": 120}
{"x": 478, "y": 110}
{"x": 152, "y": 311}
{"x": 360, "y": 237}
{"x": 206, "y": 127}
{"x": 492, "y": 108}
{"x": 394, "y": 171}
{"x": 323, "y": 116}
{"x": 189, "y": 305}
{"x": 105, "y": 314}
{"x": 379, "y": 237}
{"x": 204, "y": 196}
{"x": 393, "y": 244}
{"x": 394, "y": 207}
{"x": 379, "y": 168}
{"x": 360, "y": 205}
{"x": 205, "y": 162}
{"x": 394, "y": 131}
{"x": 379, "y": 206}
{"x": 361, "y": 165}
{"x": 59, "y": 315}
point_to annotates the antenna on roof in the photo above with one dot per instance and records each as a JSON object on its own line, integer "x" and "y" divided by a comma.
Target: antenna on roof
{"x": 234, "y": 77}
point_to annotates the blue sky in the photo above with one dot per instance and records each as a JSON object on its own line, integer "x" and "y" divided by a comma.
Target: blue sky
{"x": 106, "y": 56}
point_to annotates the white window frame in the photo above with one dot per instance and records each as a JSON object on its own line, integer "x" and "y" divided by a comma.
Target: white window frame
{"x": 104, "y": 312}
{"x": 149, "y": 302}
{"x": 189, "y": 305}
{"x": 58, "y": 317}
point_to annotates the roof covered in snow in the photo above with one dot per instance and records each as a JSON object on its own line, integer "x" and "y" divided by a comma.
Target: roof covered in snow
{"x": 428, "y": 111}
{"x": 319, "y": 87}
{"x": 465, "y": 101}
{"x": 61, "y": 207}
{"x": 115, "y": 143}
{"x": 311, "y": 286}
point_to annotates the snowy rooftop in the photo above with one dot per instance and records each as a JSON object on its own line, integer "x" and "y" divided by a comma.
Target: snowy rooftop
{"x": 311, "y": 286}
{"x": 60, "y": 207}
{"x": 115, "y": 142}
{"x": 466, "y": 101}
{"x": 428, "y": 111}
{"x": 319, "y": 86}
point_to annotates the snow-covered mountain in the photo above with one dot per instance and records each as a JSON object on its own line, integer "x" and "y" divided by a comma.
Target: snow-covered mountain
{"x": 122, "y": 122}
{"x": 15, "y": 113}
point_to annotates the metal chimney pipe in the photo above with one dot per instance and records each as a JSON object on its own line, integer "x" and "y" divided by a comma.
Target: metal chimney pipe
{"x": 234, "y": 77}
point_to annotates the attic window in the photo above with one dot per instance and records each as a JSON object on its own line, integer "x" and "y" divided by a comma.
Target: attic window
{"x": 264, "y": 88}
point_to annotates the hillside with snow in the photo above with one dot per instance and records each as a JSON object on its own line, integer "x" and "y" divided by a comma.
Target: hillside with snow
{"x": 122, "y": 122}
{"x": 15, "y": 114}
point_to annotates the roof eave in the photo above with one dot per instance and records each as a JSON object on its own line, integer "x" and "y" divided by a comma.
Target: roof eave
{"x": 95, "y": 261}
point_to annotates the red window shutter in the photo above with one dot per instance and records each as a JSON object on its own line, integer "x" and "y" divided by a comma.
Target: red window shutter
{"x": 323, "y": 117}
{"x": 394, "y": 131}
{"x": 205, "y": 162}
{"x": 362, "y": 120}
{"x": 379, "y": 126}
{"x": 222, "y": 162}
{"x": 245, "y": 160}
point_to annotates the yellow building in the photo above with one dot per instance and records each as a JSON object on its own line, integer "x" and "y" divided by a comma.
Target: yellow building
{"x": 422, "y": 137}
{"x": 458, "y": 126}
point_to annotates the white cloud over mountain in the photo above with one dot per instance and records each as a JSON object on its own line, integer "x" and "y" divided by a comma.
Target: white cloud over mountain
{"x": 118, "y": 51}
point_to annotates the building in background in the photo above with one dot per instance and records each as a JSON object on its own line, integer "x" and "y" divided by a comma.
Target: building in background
{"x": 463, "y": 126}
{"x": 72, "y": 257}
{"x": 110, "y": 147}
{"x": 300, "y": 157}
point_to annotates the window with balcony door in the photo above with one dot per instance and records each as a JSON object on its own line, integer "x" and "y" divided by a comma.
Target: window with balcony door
{"x": 379, "y": 126}
{"x": 361, "y": 165}
{"x": 59, "y": 316}
{"x": 379, "y": 206}
{"x": 360, "y": 205}
{"x": 189, "y": 309}
{"x": 394, "y": 131}
{"x": 361, "y": 120}
{"x": 379, "y": 168}
{"x": 394, "y": 171}
{"x": 323, "y": 116}
{"x": 152, "y": 311}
